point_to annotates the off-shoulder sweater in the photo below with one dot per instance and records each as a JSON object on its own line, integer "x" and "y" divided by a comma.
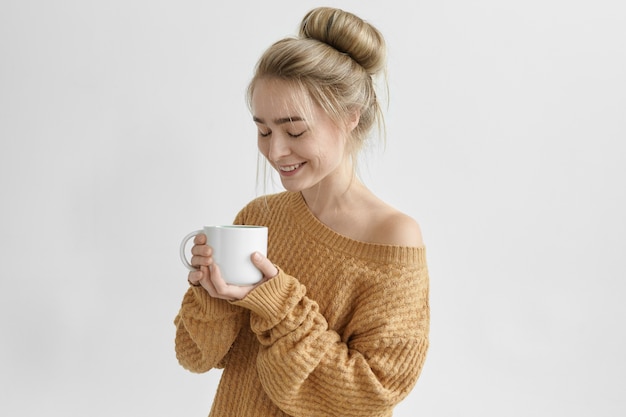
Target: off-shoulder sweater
{"x": 342, "y": 330}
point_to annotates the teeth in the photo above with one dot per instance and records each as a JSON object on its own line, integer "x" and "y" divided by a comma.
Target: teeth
{"x": 290, "y": 168}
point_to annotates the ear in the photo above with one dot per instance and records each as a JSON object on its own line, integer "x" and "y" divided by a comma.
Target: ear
{"x": 353, "y": 119}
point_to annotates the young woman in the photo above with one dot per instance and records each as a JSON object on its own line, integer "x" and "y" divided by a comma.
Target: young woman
{"x": 339, "y": 324}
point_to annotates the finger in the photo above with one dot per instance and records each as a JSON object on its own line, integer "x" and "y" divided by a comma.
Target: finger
{"x": 195, "y": 277}
{"x": 202, "y": 250}
{"x": 266, "y": 266}
{"x": 200, "y": 239}
{"x": 198, "y": 261}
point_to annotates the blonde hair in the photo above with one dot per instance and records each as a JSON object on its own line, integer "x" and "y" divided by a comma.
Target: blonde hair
{"x": 334, "y": 59}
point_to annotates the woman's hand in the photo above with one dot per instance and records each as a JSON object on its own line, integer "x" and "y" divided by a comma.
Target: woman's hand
{"x": 202, "y": 258}
{"x": 210, "y": 277}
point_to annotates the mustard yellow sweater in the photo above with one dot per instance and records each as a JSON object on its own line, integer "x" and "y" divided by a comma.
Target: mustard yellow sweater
{"x": 341, "y": 331}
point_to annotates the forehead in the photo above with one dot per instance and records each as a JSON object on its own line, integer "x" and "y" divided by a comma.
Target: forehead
{"x": 273, "y": 98}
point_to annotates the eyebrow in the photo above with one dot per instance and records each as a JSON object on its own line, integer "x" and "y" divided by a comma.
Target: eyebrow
{"x": 281, "y": 120}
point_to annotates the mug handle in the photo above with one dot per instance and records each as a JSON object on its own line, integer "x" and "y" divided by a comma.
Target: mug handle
{"x": 183, "y": 244}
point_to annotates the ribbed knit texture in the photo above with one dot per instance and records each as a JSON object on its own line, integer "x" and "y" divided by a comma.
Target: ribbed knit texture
{"x": 341, "y": 331}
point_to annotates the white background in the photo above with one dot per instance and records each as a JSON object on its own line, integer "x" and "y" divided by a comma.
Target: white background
{"x": 123, "y": 126}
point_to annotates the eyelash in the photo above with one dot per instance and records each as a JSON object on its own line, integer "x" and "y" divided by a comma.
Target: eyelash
{"x": 264, "y": 135}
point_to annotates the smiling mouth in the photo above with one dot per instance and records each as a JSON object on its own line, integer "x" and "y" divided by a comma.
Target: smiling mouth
{"x": 290, "y": 168}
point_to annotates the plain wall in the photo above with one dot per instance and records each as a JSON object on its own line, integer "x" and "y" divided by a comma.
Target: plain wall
{"x": 123, "y": 126}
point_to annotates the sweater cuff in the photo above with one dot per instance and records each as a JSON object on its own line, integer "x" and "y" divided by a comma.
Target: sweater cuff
{"x": 207, "y": 306}
{"x": 274, "y": 299}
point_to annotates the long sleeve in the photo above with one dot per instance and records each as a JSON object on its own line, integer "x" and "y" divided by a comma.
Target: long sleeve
{"x": 308, "y": 369}
{"x": 205, "y": 330}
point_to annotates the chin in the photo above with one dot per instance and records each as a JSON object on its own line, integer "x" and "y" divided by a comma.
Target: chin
{"x": 292, "y": 187}
{"x": 295, "y": 186}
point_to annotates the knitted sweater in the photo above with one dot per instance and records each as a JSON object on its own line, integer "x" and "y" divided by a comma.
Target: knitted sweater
{"x": 342, "y": 330}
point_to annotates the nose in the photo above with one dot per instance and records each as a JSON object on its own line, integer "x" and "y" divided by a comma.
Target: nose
{"x": 278, "y": 147}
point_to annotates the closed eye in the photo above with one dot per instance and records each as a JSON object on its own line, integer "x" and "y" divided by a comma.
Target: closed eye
{"x": 296, "y": 135}
{"x": 265, "y": 134}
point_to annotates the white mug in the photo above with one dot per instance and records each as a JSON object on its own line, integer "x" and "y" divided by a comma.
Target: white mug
{"x": 233, "y": 246}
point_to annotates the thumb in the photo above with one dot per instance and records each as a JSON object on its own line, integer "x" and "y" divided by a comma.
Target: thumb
{"x": 268, "y": 269}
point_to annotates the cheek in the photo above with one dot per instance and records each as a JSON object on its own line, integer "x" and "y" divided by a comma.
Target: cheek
{"x": 263, "y": 146}
{"x": 334, "y": 151}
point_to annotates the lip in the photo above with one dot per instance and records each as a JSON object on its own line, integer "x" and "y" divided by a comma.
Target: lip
{"x": 288, "y": 170}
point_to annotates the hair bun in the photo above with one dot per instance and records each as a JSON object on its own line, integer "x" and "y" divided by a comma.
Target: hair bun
{"x": 348, "y": 34}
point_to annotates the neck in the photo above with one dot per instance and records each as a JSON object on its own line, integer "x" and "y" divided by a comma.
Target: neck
{"x": 334, "y": 194}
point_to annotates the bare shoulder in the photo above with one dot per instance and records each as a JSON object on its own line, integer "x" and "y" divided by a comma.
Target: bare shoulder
{"x": 396, "y": 228}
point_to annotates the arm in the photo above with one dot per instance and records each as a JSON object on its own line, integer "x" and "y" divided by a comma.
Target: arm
{"x": 206, "y": 326}
{"x": 205, "y": 330}
{"x": 305, "y": 366}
